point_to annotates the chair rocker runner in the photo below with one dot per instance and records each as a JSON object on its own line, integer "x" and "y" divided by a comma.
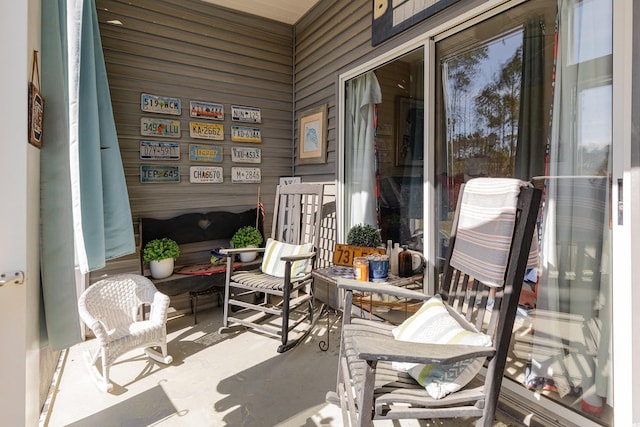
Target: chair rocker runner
{"x": 282, "y": 287}
{"x": 114, "y": 309}
{"x": 423, "y": 368}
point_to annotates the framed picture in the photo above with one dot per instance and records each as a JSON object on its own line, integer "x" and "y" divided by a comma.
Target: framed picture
{"x": 393, "y": 17}
{"x": 312, "y": 131}
{"x": 409, "y": 131}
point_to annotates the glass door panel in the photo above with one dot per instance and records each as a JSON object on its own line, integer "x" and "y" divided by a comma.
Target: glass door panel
{"x": 518, "y": 96}
{"x": 384, "y": 149}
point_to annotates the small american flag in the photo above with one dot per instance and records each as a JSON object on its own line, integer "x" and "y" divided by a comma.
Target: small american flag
{"x": 261, "y": 210}
{"x": 260, "y": 213}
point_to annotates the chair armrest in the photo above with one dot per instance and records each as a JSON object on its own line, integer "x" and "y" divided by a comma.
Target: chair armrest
{"x": 299, "y": 257}
{"x": 159, "y": 308}
{"x": 96, "y": 327}
{"x": 380, "y": 288}
{"x": 375, "y": 348}
{"x": 232, "y": 251}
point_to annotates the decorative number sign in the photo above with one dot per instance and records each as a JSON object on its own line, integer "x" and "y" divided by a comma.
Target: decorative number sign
{"x": 206, "y": 110}
{"x": 245, "y": 114}
{"x": 246, "y": 155}
{"x": 205, "y": 153}
{"x": 154, "y": 150}
{"x": 205, "y": 174}
{"x": 245, "y": 134}
{"x": 160, "y": 104}
{"x": 160, "y": 127}
{"x": 344, "y": 254}
{"x": 245, "y": 175}
{"x": 202, "y": 130}
{"x": 157, "y": 174}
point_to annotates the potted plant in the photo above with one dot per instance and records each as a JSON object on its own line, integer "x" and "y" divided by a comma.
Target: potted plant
{"x": 247, "y": 237}
{"x": 161, "y": 255}
{"x": 364, "y": 235}
{"x": 367, "y": 236}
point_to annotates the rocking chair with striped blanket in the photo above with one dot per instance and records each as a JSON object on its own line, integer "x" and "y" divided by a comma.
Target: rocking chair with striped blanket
{"x": 427, "y": 367}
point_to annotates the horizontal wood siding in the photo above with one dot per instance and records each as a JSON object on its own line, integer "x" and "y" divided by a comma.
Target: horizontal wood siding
{"x": 193, "y": 50}
{"x": 333, "y": 38}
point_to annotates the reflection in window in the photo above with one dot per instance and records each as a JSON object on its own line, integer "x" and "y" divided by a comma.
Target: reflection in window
{"x": 592, "y": 34}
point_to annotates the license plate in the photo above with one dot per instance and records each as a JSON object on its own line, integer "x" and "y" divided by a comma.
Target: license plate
{"x": 344, "y": 254}
{"x": 205, "y": 174}
{"x": 160, "y": 127}
{"x": 154, "y": 150}
{"x": 245, "y": 114}
{"x": 202, "y": 130}
{"x": 245, "y": 175}
{"x": 246, "y": 155}
{"x": 160, "y": 104}
{"x": 156, "y": 174}
{"x": 206, "y": 110}
{"x": 205, "y": 153}
{"x": 245, "y": 134}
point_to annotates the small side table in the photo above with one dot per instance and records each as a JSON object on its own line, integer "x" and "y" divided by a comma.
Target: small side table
{"x": 334, "y": 297}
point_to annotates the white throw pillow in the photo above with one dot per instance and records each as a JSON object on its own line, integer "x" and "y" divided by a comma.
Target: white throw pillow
{"x": 434, "y": 325}
{"x": 274, "y": 250}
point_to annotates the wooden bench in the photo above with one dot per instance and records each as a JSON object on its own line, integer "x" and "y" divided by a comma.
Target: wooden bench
{"x": 197, "y": 234}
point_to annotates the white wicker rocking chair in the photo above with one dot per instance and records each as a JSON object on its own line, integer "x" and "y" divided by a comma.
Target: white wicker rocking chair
{"x": 114, "y": 309}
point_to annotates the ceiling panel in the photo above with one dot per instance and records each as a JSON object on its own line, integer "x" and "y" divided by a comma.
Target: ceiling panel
{"x": 287, "y": 11}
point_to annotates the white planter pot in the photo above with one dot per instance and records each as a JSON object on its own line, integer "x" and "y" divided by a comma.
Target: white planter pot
{"x": 248, "y": 256}
{"x": 161, "y": 269}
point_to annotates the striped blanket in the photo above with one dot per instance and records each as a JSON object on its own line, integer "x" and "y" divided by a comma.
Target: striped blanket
{"x": 485, "y": 228}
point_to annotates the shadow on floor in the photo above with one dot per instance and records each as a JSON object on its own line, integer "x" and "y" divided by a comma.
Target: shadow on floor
{"x": 145, "y": 409}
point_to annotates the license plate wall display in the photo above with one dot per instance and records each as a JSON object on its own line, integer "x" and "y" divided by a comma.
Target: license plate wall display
{"x": 205, "y": 153}
{"x": 155, "y": 150}
{"x": 205, "y": 174}
{"x": 167, "y": 128}
{"x": 245, "y": 175}
{"x": 206, "y": 110}
{"x": 246, "y": 155}
{"x": 159, "y": 174}
{"x": 245, "y": 134}
{"x": 245, "y": 114}
{"x": 200, "y": 130}
{"x": 160, "y": 104}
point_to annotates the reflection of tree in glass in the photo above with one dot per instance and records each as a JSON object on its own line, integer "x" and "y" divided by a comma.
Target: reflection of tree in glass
{"x": 483, "y": 110}
{"x": 498, "y": 105}
{"x": 461, "y": 70}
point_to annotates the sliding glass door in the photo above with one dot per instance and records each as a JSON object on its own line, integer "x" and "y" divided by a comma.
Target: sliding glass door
{"x": 519, "y": 96}
{"x": 525, "y": 92}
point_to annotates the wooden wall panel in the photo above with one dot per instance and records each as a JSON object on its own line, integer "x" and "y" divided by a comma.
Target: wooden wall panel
{"x": 193, "y": 50}
{"x": 333, "y": 38}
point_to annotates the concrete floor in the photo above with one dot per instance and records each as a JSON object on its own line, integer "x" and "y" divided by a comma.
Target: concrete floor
{"x": 215, "y": 380}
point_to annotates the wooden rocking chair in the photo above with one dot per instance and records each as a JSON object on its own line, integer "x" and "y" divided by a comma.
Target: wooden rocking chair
{"x": 444, "y": 345}
{"x": 282, "y": 287}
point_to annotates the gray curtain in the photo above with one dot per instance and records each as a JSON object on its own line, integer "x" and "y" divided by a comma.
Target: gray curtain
{"x": 530, "y": 150}
{"x": 85, "y": 213}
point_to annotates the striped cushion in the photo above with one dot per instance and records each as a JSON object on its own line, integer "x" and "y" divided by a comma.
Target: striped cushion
{"x": 434, "y": 325}
{"x": 271, "y": 263}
